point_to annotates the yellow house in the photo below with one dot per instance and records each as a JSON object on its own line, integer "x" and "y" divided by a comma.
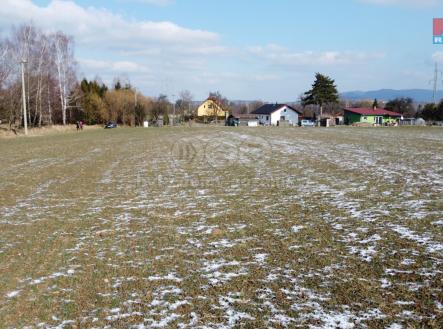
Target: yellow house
{"x": 210, "y": 108}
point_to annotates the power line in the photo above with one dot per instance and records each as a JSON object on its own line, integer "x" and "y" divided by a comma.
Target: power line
{"x": 437, "y": 74}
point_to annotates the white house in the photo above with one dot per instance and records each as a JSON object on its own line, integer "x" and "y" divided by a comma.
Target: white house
{"x": 274, "y": 114}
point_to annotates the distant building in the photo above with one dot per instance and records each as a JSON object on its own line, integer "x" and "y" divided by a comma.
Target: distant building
{"x": 372, "y": 116}
{"x": 276, "y": 114}
{"x": 330, "y": 120}
{"x": 412, "y": 122}
{"x": 246, "y": 119}
{"x": 211, "y": 108}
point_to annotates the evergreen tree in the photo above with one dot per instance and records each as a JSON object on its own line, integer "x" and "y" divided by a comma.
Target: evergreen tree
{"x": 375, "y": 104}
{"x": 323, "y": 92}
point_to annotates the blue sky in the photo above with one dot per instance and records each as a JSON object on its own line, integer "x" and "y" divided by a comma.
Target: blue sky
{"x": 246, "y": 49}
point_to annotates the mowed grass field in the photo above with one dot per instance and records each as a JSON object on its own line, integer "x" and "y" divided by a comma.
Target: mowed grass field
{"x": 223, "y": 228}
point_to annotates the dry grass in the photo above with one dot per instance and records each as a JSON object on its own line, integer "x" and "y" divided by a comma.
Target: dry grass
{"x": 5, "y": 132}
{"x": 222, "y": 227}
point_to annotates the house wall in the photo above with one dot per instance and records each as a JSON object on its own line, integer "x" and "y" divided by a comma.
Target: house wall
{"x": 351, "y": 118}
{"x": 388, "y": 119}
{"x": 367, "y": 119}
{"x": 208, "y": 109}
{"x": 273, "y": 118}
{"x": 264, "y": 119}
{"x": 290, "y": 115}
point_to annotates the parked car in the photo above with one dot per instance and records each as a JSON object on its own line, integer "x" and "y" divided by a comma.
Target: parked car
{"x": 231, "y": 121}
{"x": 307, "y": 123}
{"x": 110, "y": 125}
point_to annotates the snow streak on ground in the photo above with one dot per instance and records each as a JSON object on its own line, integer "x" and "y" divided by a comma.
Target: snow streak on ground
{"x": 218, "y": 227}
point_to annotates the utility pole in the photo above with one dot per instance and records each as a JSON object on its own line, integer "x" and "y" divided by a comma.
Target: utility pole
{"x": 25, "y": 119}
{"x": 173, "y": 109}
{"x": 135, "y": 96}
{"x": 135, "y": 107}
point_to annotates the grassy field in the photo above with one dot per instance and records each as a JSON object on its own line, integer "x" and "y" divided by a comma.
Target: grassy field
{"x": 222, "y": 228}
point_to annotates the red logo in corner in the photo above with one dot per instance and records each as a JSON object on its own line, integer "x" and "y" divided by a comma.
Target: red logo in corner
{"x": 438, "y": 27}
{"x": 438, "y": 30}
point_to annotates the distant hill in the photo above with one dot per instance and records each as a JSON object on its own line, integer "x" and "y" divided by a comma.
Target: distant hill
{"x": 418, "y": 95}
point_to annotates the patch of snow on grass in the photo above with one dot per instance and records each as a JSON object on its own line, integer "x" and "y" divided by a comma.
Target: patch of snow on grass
{"x": 13, "y": 294}
{"x": 261, "y": 258}
{"x": 395, "y": 326}
{"x": 169, "y": 277}
{"x": 296, "y": 228}
{"x": 234, "y": 317}
{"x": 406, "y": 233}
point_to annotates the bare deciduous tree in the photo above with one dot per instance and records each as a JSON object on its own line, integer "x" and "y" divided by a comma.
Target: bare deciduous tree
{"x": 184, "y": 105}
{"x": 65, "y": 65}
{"x": 49, "y": 75}
{"x": 221, "y": 104}
{"x": 5, "y": 68}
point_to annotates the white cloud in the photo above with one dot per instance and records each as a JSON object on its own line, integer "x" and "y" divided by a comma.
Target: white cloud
{"x": 166, "y": 57}
{"x": 92, "y": 26}
{"x": 110, "y": 45}
{"x": 266, "y": 77}
{"x": 156, "y": 2}
{"x": 114, "y": 66}
{"x": 281, "y": 56}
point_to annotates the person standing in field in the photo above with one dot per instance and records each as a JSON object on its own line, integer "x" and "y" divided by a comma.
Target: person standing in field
{"x": 78, "y": 125}
{"x": 81, "y": 124}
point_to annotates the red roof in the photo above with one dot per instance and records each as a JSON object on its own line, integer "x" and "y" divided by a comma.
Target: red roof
{"x": 371, "y": 111}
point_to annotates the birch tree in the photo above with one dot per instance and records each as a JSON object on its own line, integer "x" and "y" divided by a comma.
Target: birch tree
{"x": 5, "y": 69}
{"x": 49, "y": 75}
{"x": 65, "y": 67}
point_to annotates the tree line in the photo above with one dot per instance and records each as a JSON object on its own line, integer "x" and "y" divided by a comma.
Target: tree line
{"x": 50, "y": 76}
{"x": 324, "y": 96}
{"x": 406, "y": 107}
{"x": 122, "y": 103}
{"x": 54, "y": 95}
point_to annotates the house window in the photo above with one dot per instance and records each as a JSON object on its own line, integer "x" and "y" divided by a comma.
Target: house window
{"x": 267, "y": 117}
{"x": 365, "y": 118}
{"x": 284, "y": 110}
